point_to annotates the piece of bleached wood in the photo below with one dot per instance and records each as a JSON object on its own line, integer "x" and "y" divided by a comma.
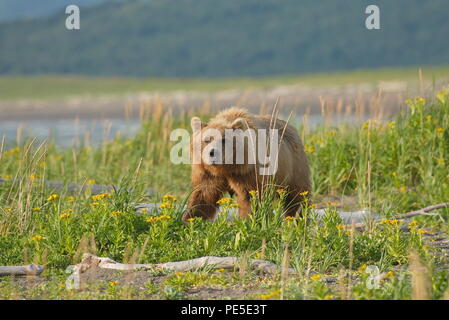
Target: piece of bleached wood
{"x": 90, "y": 260}
{"x": 28, "y": 270}
{"x": 424, "y": 211}
{"x": 421, "y": 212}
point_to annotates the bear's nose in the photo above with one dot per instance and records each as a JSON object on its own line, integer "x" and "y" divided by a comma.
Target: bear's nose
{"x": 212, "y": 153}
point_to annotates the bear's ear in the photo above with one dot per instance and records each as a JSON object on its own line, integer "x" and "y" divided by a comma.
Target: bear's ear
{"x": 239, "y": 123}
{"x": 197, "y": 124}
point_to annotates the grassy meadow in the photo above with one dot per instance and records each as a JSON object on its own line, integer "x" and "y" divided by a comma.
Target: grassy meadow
{"x": 390, "y": 167}
{"x": 57, "y": 86}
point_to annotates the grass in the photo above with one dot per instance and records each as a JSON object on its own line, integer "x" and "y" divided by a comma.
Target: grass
{"x": 389, "y": 167}
{"x": 47, "y": 87}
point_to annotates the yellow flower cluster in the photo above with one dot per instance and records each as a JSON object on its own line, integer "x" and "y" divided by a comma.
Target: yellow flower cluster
{"x": 315, "y": 277}
{"x": 165, "y": 205}
{"x": 101, "y": 196}
{"x": 362, "y": 268}
{"x": 417, "y": 100}
{"x": 253, "y": 193}
{"x": 281, "y": 192}
{"x": 224, "y": 201}
{"x": 270, "y": 295}
{"x": 37, "y": 238}
{"x": 169, "y": 198}
{"x": 65, "y": 216}
{"x": 52, "y": 197}
{"x": 391, "y": 222}
{"x": 309, "y": 148}
{"x": 289, "y": 219}
{"x": 12, "y": 151}
{"x": 156, "y": 219}
{"x": 115, "y": 213}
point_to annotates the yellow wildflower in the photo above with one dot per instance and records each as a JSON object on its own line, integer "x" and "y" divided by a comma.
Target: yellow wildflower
{"x": 315, "y": 277}
{"x": 169, "y": 198}
{"x": 413, "y": 224}
{"x": 441, "y": 96}
{"x": 12, "y": 151}
{"x": 155, "y": 219}
{"x": 37, "y": 238}
{"x": 53, "y": 197}
{"x": 281, "y": 192}
{"x": 362, "y": 268}
{"x": 421, "y": 231}
{"x": 90, "y": 181}
{"x": 270, "y": 295}
{"x": 254, "y": 193}
{"x": 309, "y": 148}
{"x": 440, "y": 161}
{"x": 304, "y": 193}
{"x": 289, "y": 219}
{"x": 113, "y": 283}
{"x": 224, "y": 201}
{"x": 65, "y": 216}
{"x": 389, "y": 274}
{"x": 165, "y": 205}
{"x": 71, "y": 198}
{"x": 100, "y": 196}
{"x": 115, "y": 213}
{"x": 391, "y": 222}
{"x": 440, "y": 130}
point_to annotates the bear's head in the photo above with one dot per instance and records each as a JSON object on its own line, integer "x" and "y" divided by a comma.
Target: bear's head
{"x": 224, "y": 146}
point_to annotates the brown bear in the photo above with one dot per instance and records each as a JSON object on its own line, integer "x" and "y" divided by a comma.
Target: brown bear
{"x": 219, "y": 165}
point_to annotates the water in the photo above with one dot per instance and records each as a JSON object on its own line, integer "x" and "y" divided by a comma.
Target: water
{"x": 68, "y": 133}
{"x": 71, "y": 133}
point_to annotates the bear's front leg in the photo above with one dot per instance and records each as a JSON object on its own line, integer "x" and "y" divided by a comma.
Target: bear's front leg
{"x": 243, "y": 198}
{"x": 203, "y": 203}
{"x": 244, "y": 205}
{"x": 207, "y": 190}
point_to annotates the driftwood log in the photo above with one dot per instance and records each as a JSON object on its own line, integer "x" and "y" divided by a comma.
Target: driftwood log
{"x": 424, "y": 211}
{"x": 28, "y": 270}
{"x": 90, "y": 260}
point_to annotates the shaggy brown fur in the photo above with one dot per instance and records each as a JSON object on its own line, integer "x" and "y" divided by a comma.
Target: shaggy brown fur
{"x": 210, "y": 181}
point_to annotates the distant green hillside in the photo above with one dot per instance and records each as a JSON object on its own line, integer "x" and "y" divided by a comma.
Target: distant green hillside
{"x": 217, "y": 38}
